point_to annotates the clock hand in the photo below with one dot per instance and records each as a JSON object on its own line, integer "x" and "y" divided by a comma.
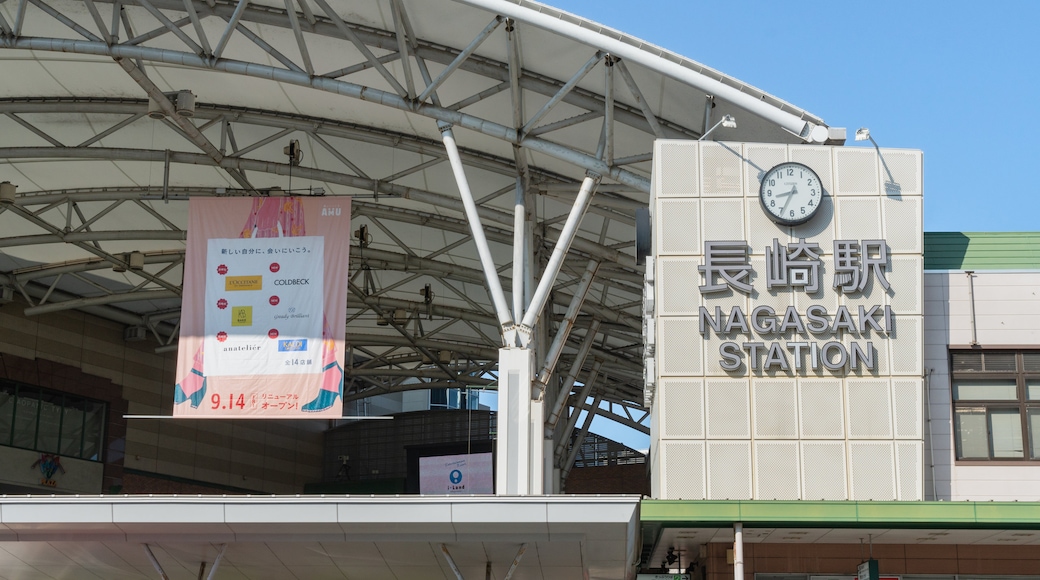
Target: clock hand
{"x": 790, "y": 195}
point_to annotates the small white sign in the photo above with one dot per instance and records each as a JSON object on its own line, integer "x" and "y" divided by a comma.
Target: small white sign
{"x": 456, "y": 474}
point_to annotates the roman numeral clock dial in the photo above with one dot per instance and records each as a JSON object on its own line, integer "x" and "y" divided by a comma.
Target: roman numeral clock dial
{"x": 791, "y": 193}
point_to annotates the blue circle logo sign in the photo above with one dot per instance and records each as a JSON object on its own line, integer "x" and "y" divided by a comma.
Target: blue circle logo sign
{"x": 455, "y": 476}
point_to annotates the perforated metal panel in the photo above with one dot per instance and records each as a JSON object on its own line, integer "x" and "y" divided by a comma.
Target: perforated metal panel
{"x": 873, "y": 471}
{"x": 677, "y": 282}
{"x": 678, "y": 230}
{"x": 906, "y": 357}
{"x": 760, "y": 158}
{"x": 679, "y": 355}
{"x": 906, "y": 399}
{"x": 823, "y": 470}
{"x": 797, "y": 423}
{"x": 728, "y": 415}
{"x": 822, "y": 409}
{"x": 777, "y": 470}
{"x": 905, "y": 168}
{"x": 729, "y": 470}
{"x": 778, "y": 299}
{"x": 909, "y": 470}
{"x": 901, "y": 216}
{"x": 684, "y": 475}
{"x": 870, "y": 409}
{"x": 819, "y": 159}
{"x": 856, "y": 171}
{"x": 776, "y": 409}
{"x": 680, "y": 178}
{"x": 712, "y": 358}
{"x": 722, "y": 170}
{"x": 857, "y": 218}
{"x": 683, "y": 408}
{"x": 907, "y": 280}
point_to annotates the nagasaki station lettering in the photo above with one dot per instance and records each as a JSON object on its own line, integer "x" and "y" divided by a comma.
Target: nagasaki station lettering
{"x": 798, "y": 267}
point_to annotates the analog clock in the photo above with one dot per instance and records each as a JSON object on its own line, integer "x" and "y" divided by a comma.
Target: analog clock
{"x": 790, "y": 193}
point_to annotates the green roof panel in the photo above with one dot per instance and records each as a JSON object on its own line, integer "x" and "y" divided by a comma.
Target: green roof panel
{"x": 981, "y": 250}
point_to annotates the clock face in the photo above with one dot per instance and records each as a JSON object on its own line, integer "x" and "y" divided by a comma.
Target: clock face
{"x": 790, "y": 193}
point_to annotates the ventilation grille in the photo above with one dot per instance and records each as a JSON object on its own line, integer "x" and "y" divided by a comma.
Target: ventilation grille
{"x": 1031, "y": 362}
{"x": 986, "y": 361}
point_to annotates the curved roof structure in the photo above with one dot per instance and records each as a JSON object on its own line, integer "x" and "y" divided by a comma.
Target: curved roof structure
{"x": 114, "y": 113}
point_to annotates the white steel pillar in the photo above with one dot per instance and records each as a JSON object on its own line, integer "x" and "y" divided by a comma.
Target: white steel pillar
{"x": 738, "y": 551}
{"x": 518, "y": 466}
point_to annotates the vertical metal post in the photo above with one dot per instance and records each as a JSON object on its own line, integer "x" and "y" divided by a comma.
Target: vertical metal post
{"x": 971, "y": 303}
{"x": 738, "y": 551}
{"x": 519, "y": 217}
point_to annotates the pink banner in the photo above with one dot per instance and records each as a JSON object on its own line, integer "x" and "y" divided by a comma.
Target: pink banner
{"x": 263, "y": 315}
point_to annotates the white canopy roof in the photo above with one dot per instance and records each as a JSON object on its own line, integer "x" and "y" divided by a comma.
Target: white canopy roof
{"x": 537, "y": 97}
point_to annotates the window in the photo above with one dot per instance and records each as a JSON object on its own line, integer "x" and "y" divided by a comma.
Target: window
{"x": 996, "y": 404}
{"x": 50, "y": 421}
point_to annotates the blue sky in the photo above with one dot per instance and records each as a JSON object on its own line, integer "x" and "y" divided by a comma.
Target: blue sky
{"x": 958, "y": 80}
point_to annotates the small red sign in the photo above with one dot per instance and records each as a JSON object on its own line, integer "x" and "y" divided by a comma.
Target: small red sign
{"x": 222, "y": 269}
{"x": 275, "y": 267}
{"x": 273, "y": 333}
{"x": 274, "y": 300}
{"x": 221, "y": 304}
{"x": 221, "y": 336}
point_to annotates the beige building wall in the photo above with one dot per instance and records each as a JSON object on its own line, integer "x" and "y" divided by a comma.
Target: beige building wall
{"x": 750, "y": 433}
{"x": 1006, "y": 315}
{"x": 269, "y": 456}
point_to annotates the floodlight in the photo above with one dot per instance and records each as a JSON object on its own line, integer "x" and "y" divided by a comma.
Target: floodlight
{"x": 7, "y": 192}
{"x": 728, "y": 122}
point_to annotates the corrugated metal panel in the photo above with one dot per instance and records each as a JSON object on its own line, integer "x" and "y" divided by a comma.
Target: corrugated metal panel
{"x": 981, "y": 250}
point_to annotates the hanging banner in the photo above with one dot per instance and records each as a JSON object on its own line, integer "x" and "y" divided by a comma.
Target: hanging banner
{"x": 263, "y": 315}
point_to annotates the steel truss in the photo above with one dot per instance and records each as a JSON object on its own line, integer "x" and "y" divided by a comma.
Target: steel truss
{"x": 408, "y": 343}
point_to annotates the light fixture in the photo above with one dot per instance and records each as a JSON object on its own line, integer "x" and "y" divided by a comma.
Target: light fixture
{"x": 862, "y": 134}
{"x": 891, "y": 187}
{"x": 183, "y": 102}
{"x": 728, "y": 122}
{"x": 7, "y": 191}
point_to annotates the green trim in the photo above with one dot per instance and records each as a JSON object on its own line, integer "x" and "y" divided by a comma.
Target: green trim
{"x": 981, "y": 250}
{"x": 842, "y": 514}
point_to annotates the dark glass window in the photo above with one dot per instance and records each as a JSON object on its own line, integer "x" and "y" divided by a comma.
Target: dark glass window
{"x": 50, "y": 421}
{"x": 996, "y": 404}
